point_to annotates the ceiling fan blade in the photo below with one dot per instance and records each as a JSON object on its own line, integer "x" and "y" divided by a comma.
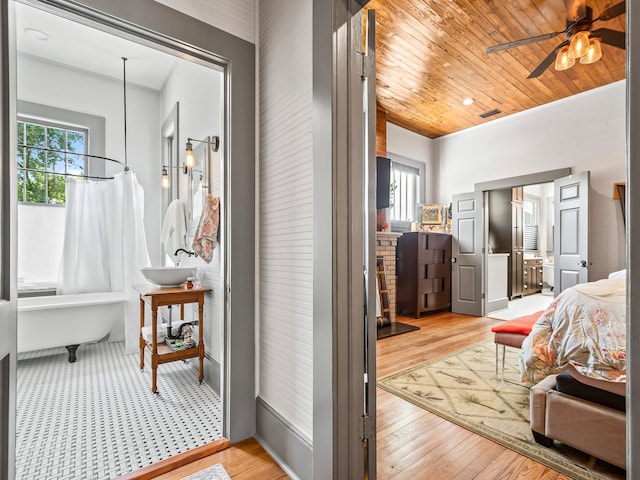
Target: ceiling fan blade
{"x": 546, "y": 63}
{"x": 613, "y": 11}
{"x": 524, "y": 41}
{"x": 576, "y": 10}
{"x": 614, "y": 38}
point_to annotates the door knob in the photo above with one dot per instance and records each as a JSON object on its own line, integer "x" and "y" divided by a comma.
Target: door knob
{"x": 454, "y": 259}
{"x": 583, "y": 263}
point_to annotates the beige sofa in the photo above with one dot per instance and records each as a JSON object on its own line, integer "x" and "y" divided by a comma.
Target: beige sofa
{"x": 586, "y": 426}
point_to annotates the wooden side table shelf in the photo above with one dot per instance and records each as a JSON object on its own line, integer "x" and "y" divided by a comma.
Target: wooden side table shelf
{"x": 161, "y": 353}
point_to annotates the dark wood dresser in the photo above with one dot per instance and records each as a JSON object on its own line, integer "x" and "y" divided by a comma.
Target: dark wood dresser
{"x": 423, "y": 269}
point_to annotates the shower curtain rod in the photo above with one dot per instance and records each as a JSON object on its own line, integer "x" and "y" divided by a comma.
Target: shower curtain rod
{"x": 66, "y": 152}
{"x": 95, "y": 177}
{"x": 78, "y": 175}
{"x": 124, "y": 164}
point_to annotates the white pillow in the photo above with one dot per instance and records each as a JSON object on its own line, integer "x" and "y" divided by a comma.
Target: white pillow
{"x": 618, "y": 274}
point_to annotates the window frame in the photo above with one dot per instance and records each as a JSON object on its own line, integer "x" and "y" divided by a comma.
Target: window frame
{"x": 535, "y": 201}
{"x": 49, "y": 124}
{"x": 93, "y": 124}
{"x": 403, "y": 225}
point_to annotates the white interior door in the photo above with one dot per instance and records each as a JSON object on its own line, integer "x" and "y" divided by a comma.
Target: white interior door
{"x": 467, "y": 254}
{"x": 8, "y": 210}
{"x": 571, "y": 231}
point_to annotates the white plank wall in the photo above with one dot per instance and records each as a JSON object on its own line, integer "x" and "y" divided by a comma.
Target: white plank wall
{"x": 584, "y": 132}
{"x": 232, "y": 16}
{"x": 285, "y": 211}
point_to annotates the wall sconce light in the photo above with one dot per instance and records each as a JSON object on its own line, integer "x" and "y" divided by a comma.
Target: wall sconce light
{"x": 165, "y": 177}
{"x": 189, "y": 160}
{"x": 166, "y": 183}
{"x": 213, "y": 143}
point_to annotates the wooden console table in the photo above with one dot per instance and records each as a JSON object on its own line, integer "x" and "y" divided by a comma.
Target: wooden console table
{"x": 161, "y": 353}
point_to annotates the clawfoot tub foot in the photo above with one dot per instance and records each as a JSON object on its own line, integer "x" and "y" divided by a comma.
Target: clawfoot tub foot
{"x": 72, "y": 352}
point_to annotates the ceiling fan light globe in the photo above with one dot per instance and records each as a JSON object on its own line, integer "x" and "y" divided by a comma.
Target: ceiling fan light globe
{"x": 594, "y": 53}
{"x": 563, "y": 60}
{"x": 579, "y": 45}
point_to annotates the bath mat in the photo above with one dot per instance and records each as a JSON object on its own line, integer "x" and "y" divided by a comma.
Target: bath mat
{"x": 217, "y": 472}
{"x": 461, "y": 388}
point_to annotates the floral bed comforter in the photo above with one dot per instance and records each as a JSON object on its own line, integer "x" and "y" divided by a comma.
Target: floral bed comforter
{"x": 584, "y": 326}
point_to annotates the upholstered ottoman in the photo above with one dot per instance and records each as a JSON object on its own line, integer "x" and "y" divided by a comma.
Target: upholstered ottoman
{"x": 590, "y": 427}
{"x": 511, "y": 334}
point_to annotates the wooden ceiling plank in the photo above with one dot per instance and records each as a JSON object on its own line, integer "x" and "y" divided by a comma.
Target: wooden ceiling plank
{"x": 431, "y": 54}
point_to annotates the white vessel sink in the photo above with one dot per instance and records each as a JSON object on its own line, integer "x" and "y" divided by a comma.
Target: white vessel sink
{"x": 168, "y": 276}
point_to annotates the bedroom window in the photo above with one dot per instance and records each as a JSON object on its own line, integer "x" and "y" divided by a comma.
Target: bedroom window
{"x": 47, "y": 151}
{"x": 405, "y": 195}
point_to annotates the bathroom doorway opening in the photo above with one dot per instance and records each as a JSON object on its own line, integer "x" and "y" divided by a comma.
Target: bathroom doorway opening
{"x": 70, "y": 78}
{"x": 517, "y": 290}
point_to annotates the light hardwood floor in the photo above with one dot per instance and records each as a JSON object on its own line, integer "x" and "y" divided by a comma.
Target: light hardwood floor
{"x": 245, "y": 460}
{"x": 414, "y": 444}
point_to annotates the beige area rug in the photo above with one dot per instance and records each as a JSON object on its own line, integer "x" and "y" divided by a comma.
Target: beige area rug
{"x": 462, "y": 389}
{"x": 217, "y": 472}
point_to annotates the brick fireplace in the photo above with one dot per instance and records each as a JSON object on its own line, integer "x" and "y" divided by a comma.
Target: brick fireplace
{"x": 386, "y": 243}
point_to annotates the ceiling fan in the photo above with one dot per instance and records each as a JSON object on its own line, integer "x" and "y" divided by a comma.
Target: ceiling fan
{"x": 581, "y": 41}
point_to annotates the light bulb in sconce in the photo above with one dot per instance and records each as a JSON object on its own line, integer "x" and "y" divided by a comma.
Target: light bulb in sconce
{"x": 165, "y": 178}
{"x": 189, "y": 161}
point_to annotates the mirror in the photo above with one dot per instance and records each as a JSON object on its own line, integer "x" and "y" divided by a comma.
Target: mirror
{"x": 199, "y": 182}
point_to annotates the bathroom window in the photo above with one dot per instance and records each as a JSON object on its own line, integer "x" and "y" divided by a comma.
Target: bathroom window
{"x": 530, "y": 209}
{"x": 46, "y": 152}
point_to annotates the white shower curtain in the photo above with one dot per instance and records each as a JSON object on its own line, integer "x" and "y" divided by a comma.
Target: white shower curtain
{"x": 105, "y": 244}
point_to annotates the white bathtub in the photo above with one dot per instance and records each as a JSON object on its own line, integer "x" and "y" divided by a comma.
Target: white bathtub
{"x": 67, "y": 320}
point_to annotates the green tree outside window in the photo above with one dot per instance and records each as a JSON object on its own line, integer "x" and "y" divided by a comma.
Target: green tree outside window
{"x": 41, "y": 171}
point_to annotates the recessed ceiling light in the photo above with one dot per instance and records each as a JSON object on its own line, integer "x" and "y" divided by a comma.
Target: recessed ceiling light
{"x": 467, "y": 101}
{"x": 38, "y": 34}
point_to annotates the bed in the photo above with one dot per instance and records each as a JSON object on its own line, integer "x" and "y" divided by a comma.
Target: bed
{"x": 583, "y": 327}
{"x": 576, "y": 355}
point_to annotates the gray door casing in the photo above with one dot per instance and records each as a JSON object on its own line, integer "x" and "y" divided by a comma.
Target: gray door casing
{"x": 467, "y": 226}
{"x": 8, "y": 261}
{"x": 571, "y": 231}
{"x": 354, "y": 332}
{"x": 164, "y": 28}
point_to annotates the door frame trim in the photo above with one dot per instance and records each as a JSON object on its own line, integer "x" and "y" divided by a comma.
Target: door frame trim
{"x": 521, "y": 180}
{"x": 169, "y": 29}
